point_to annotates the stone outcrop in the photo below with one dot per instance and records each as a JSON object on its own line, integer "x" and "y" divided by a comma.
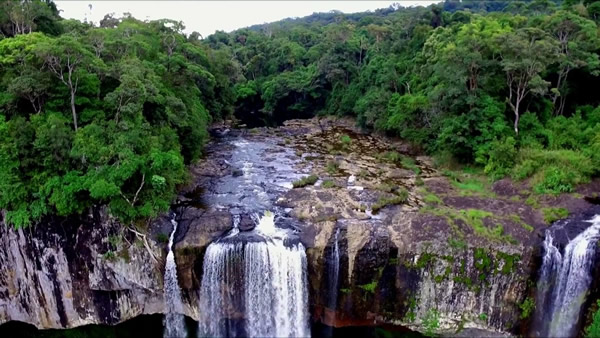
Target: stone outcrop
{"x": 67, "y": 273}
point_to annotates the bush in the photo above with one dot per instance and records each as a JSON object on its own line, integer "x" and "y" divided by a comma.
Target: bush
{"x": 332, "y": 168}
{"x": 400, "y": 198}
{"x": 553, "y": 171}
{"x": 309, "y": 180}
{"x": 594, "y": 329}
{"x": 501, "y": 158}
{"x": 555, "y": 181}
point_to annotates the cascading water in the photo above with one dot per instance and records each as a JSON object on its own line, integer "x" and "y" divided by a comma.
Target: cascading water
{"x": 564, "y": 282}
{"x": 174, "y": 322}
{"x": 255, "y": 284}
{"x": 334, "y": 271}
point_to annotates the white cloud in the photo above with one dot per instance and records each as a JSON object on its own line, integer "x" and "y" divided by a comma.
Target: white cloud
{"x": 206, "y": 17}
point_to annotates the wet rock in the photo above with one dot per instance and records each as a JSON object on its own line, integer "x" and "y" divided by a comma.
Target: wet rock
{"x": 246, "y": 223}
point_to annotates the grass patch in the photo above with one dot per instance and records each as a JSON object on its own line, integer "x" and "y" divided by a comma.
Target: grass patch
{"x": 517, "y": 219}
{"x": 533, "y": 202}
{"x": 332, "y": 167}
{"x": 552, "y": 215}
{"x": 471, "y": 185}
{"x": 432, "y": 199}
{"x": 345, "y": 140}
{"x": 475, "y": 219}
{"x": 400, "y": 198}
{"x": 328, "y": 184}
{"x": 409, "y": 163}
{"x": 389, "y": 156}
{"x": 309, "y": 180}
{"x": 385, "y": 187}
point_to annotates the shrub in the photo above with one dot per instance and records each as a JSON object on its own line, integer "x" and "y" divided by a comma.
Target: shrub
{"x": 385, "y": 187}
{"x": 553, "y": 171}
{"x": 346, "y": 140}
{"x": 556, "y": 180}
{"x": 594, "y": 329}
{"x": 309, "y": 180}
{"x": 400, "y": 198}
{"x": 332, "y": 167}
{"x": 501, "y": 158}
{"x": 527, "y": 307}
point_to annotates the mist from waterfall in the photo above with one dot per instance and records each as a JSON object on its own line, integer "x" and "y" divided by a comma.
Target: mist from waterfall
{"x": 255, "y": 286}
{"x": 174, "y": 321}
{"x": 564, "y": 282}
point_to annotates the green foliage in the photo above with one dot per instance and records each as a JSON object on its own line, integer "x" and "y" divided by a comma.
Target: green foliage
{"x": 432, "y": 199}
{"x": 346, "y": 140}
{"x": 101, "y": 116}
{"x": 400, "y": 198}
{"x": 162, "y": 238}
{"x": 527, "y": 307}
{"x": 332, "y": 167}
{"x": 431, "y": 322}
{"x": 552, "y": 215}
{"x": 370, "y": 288}
{"x": 594, "y": 329}
{"x": 328, "y": 184}
{"x": 308, "y": 180}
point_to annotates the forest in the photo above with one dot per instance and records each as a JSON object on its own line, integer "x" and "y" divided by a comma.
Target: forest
{"x": 112, "y": 113}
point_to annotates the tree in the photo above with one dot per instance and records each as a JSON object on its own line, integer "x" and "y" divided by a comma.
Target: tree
{"x": 66, "y": 58}
{"x": 525, "y": 55}
{"x": 578, "y": 41}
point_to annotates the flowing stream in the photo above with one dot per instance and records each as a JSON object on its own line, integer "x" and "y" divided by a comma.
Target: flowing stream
{"x": 564, "y": 282}
{"x": 255, "y": 284}
{"x": 174, "y": 322}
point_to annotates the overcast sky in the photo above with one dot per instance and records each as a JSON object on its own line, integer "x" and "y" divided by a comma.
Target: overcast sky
{"x": 206, "y": 17}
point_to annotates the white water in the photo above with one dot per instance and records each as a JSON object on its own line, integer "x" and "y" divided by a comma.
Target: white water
{"x": 255, "y": 288}
{"x": 334, "y": 271}
{"x": 567, "y": 277}
{"x": 174, "y": 321}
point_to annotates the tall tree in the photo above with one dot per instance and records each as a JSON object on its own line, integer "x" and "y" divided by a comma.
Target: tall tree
{"x": 66, "y": 58}
{"x": 578, "y": 41}
{"x": 525, "y": 54}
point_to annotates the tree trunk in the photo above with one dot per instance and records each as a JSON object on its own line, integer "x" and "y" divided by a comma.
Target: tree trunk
{"x": 73, "y": 108}
{"x": 516, "y": 109}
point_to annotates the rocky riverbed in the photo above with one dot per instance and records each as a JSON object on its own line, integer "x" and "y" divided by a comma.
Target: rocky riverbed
{"x": 410, "y": 245}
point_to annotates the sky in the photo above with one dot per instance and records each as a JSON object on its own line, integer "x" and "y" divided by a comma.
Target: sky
{"x": 206, "y": 17}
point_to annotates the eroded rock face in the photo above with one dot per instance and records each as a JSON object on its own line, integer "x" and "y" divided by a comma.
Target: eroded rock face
{"x": 69, "y": 273}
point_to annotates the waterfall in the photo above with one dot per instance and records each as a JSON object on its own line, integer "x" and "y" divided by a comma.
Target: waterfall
{"x": 564, "y": 282}
{"x": 174, "y": 321}
{"x": 334, "y": 271}
{"x": 255, "y": 284}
